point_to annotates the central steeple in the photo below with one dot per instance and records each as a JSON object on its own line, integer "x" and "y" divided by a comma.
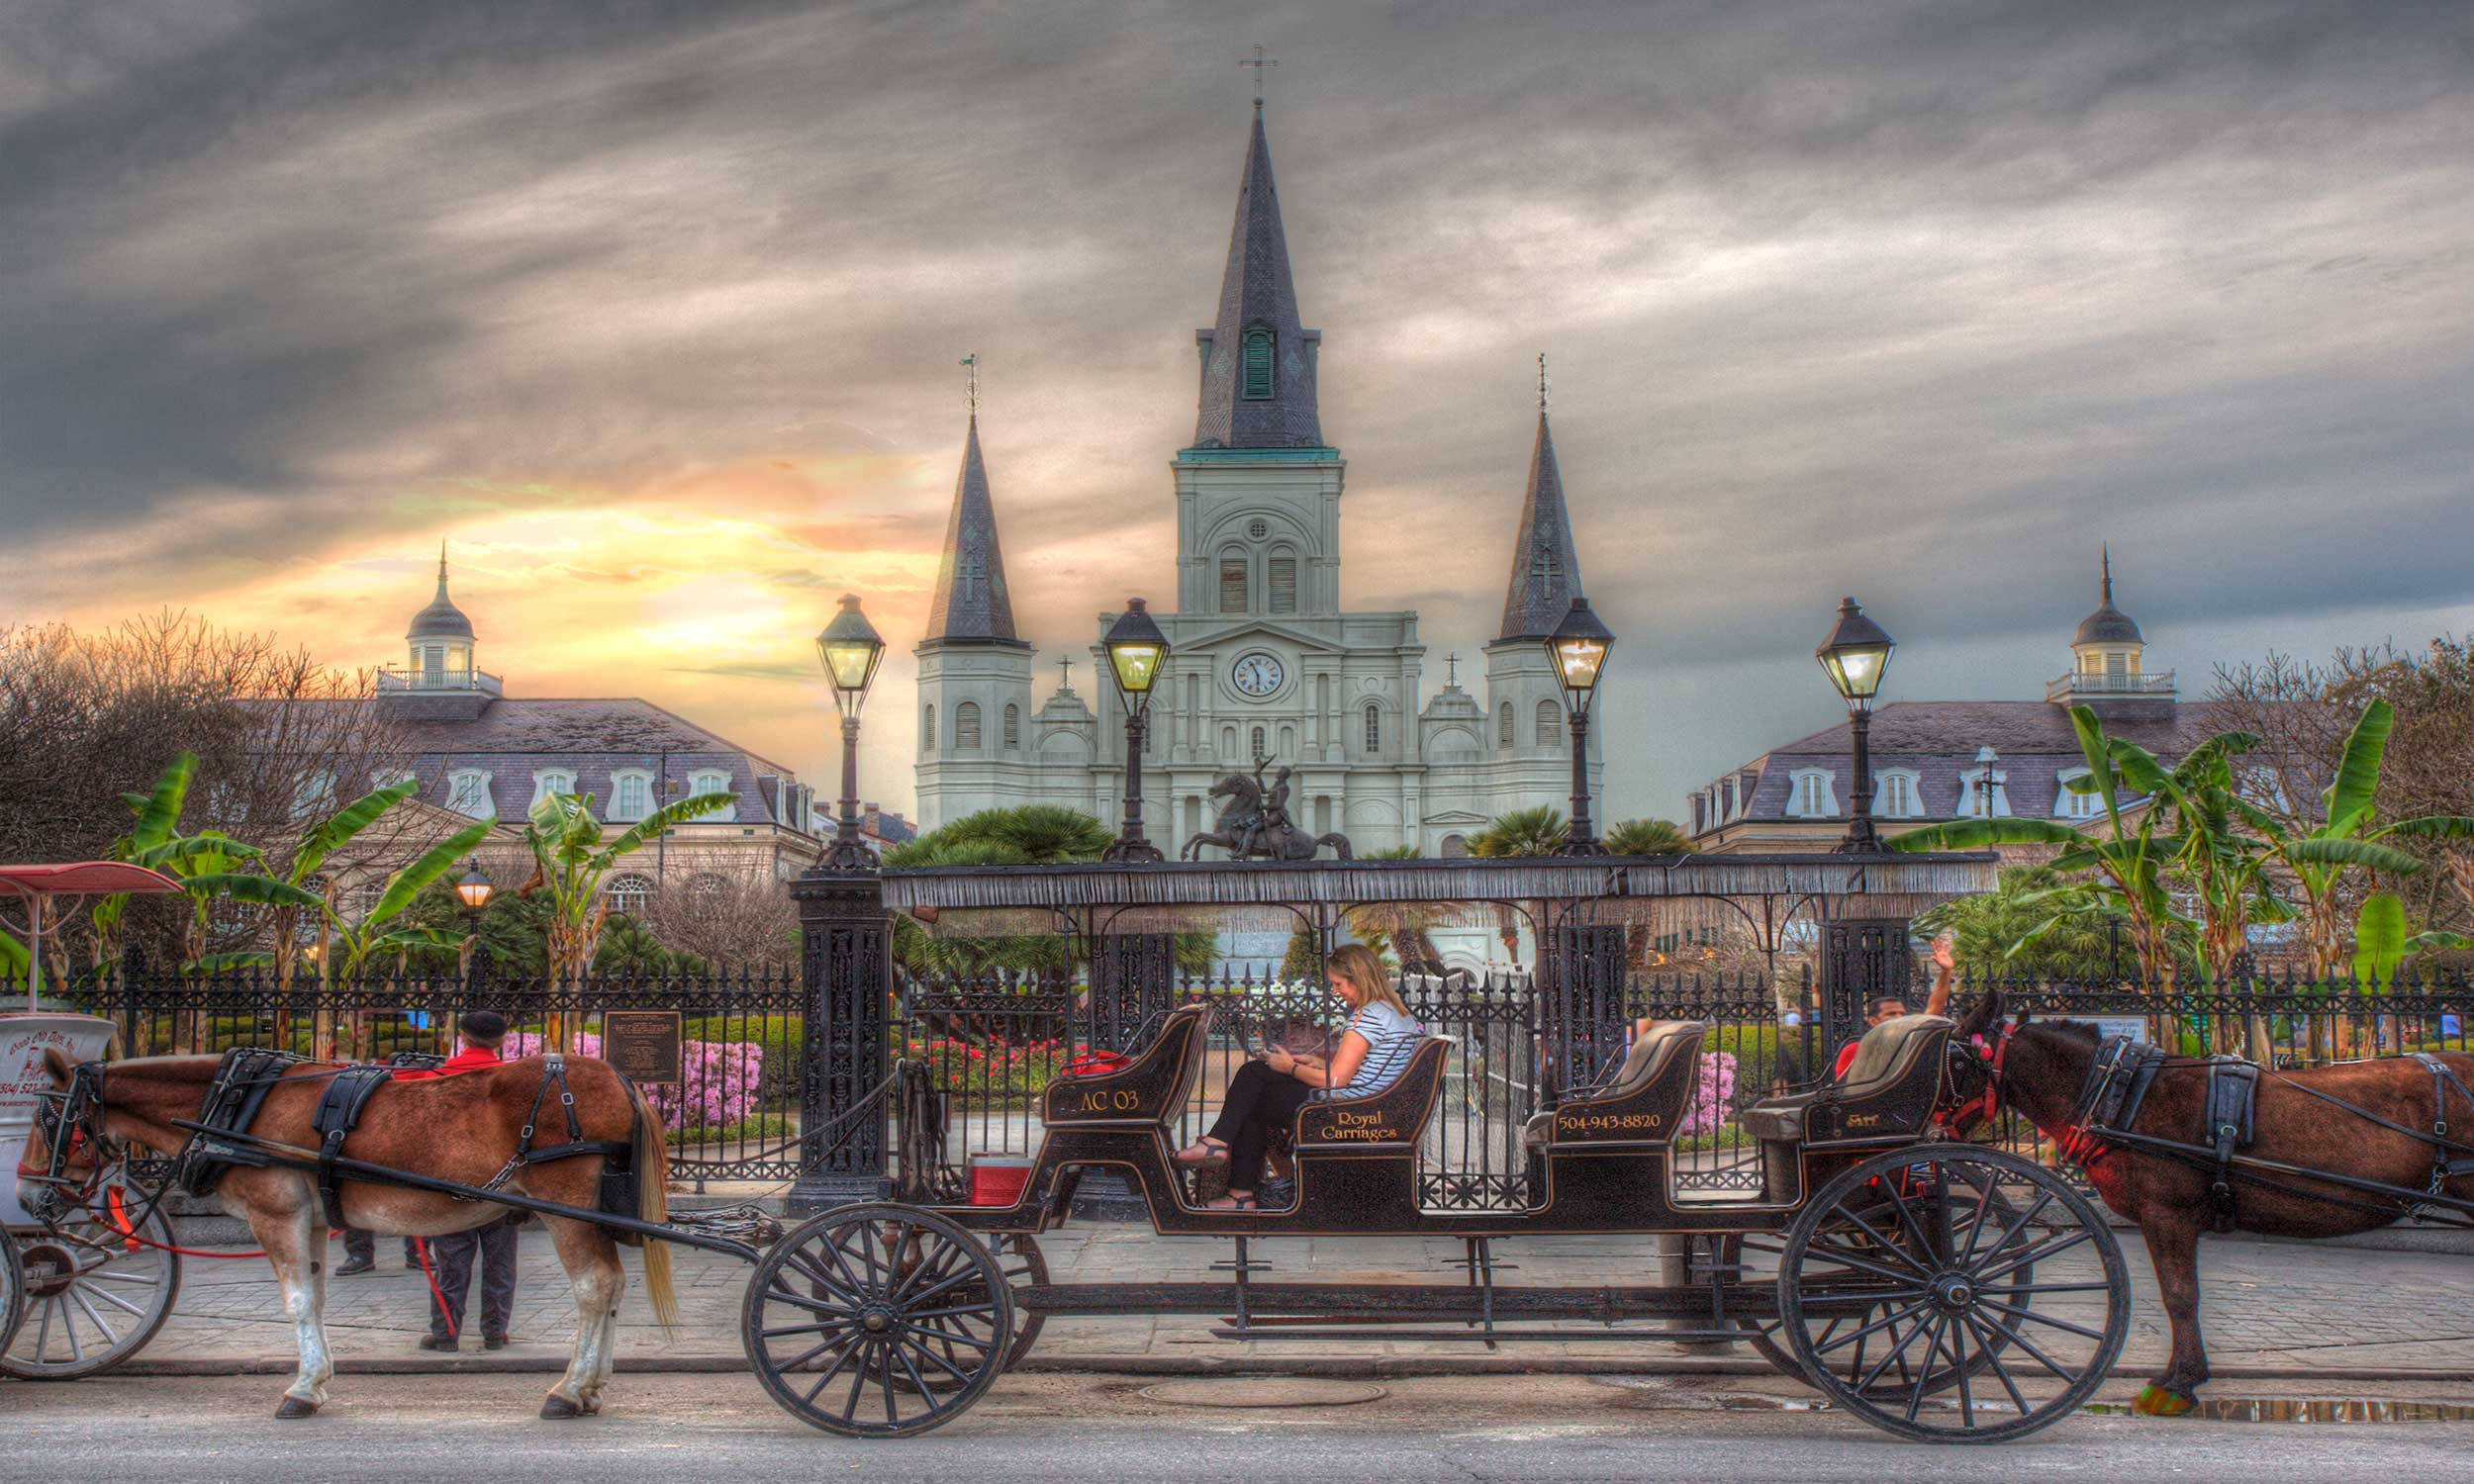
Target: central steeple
{"x": 1258, "y": 360}
{"x": 1546, "y": 566}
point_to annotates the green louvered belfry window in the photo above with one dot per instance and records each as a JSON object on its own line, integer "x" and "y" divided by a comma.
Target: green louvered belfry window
{"x": 1258, "y": 364}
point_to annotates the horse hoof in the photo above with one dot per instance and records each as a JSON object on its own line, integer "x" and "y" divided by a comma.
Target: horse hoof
{"x": 559, "y": 1409}
{"x": 2164, "y": 1401}
{"x": 293, "y": 1408}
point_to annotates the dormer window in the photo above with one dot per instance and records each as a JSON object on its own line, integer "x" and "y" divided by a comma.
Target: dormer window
{"x": 1897, "y": 793}
{"x": 1983, "y": 789}
{"x": 631, "y": 793}
{"x": 714, "y": 781}
{"x": 1812, "y": 794}
{"x": 2068, "y": 803}
{"x": 468, "y": 794}
{"x": 551, "y": 781}
{"x": 1262, "y": 350}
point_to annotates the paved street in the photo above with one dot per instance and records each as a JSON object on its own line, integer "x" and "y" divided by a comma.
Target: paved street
{"x": 2286, "y": 1309}
{"x": 660, "y": 1429}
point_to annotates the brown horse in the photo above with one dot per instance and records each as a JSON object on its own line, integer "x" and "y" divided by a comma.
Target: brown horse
{"x": 462, "y": 1128}
{"x": 2044, "y": 1068}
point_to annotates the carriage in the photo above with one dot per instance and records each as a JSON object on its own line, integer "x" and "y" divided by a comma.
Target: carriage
{"x": 1935, "y": 1288}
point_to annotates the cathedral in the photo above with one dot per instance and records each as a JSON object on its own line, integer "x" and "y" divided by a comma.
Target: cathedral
{"x": 1266, "y": 662}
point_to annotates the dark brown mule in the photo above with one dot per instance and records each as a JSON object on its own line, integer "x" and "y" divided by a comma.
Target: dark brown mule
{"x": 2046, "y": 1064}
{"x": 461, "y": 1128}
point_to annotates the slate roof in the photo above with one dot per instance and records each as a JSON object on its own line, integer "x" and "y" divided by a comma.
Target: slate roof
{"x": 972, "y": 604}
{"x": 595, "y": 738}
{"x": 1256, "y": 288}
{"x": 2032, "y": 740}
{"x": 1546, "y": 567}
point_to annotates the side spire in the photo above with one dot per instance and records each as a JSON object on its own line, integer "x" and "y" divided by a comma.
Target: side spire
{"x": 972, "y": 604}
{"x": 1258, "y": 360}
{"x": 2108, "y": 564}
{"x": 1546, "y": 567}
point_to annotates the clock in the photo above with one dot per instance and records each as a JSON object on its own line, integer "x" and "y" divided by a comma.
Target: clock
{"x": 1256, "y": 676}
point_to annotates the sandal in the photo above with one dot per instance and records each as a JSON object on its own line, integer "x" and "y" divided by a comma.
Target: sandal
{"x": 1203, "y": 1151}
{"x": 1233, "y": 1203}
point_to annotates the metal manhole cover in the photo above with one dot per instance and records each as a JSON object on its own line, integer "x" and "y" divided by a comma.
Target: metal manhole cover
{"x": 1266, "y": 1391}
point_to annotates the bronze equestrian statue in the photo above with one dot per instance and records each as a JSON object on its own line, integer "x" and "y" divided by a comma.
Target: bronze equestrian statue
{"x": 1254, "y": 823}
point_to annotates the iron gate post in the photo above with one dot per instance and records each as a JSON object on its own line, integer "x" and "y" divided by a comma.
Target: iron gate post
{"x": 1133, "y": 977}
{"x": 845, "y": 957}
{"x": 1583, "y": 975}
{"x": 1862, "y": 959}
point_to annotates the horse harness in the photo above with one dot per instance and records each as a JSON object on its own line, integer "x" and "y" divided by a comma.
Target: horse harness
{"x": 2116, "y": 1089}
{"x": 245, "y": 1075}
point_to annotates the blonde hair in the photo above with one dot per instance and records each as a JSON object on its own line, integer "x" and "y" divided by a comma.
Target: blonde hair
{"x": 1362, "y": 967}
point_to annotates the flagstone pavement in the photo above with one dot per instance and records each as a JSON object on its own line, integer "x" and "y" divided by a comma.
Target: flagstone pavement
{"x": 2282, "y": 1308}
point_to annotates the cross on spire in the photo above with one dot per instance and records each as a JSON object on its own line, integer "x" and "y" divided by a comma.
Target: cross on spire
{"x": 1451, "y": 670}
{"x": 1542, "y": 382}
{"x": 973, "y": 362}
{"x": 1065, "y": 681}
{"x": 1258, "y": 61}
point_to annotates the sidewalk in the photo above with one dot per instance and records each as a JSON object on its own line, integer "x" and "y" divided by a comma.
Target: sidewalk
{"x": 2285, "y": 1309}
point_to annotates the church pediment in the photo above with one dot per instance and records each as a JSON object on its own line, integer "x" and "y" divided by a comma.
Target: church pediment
{"x": 1243, "y": 630}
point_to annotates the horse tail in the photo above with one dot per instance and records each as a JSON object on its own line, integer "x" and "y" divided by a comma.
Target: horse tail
{"x": 652, "y": 1203}
{"x": 1339, "y": 845}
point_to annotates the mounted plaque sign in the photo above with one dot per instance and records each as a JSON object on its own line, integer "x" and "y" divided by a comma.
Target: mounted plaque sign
{"x": 645, "y": 1044}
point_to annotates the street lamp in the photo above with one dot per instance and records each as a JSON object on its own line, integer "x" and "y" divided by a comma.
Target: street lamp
{"x": 1137, "y": 651}
{"x": 473, "y": 888}
{"x": 850, "y": 648}
{"x": 1579, "y": 648}
{"x": 1853, "y": 657}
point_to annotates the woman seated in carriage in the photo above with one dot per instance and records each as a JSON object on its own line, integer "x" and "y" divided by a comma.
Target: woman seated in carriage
{"x": 1267, "y": 1092}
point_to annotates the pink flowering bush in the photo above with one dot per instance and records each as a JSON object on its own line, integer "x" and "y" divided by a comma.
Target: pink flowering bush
{"x": 718, "y": 1086}
{"x": 1712, "y": 1101}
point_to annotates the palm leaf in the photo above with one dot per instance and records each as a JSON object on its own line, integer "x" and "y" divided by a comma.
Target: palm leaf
{"x": 2363, "y": 853}
{"x": 2359, "y": 771}
{"x": 666, "y": 817}
{"x": 338, "y": 828}
{"x": 1976, "y": 834}
{"x": 2431, "y": 827}
{"x": 256, "y": 891}
{"x": 227, "y": 963}
{"x": 2091, "y": 735}
{"x": 435, "y": 862}
{"x": 159, "y": 813}
{"x": 2437, "y": 938}
{"x": 2379, "y": 938}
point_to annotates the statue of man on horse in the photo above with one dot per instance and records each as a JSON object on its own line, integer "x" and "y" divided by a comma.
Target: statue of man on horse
{"x": 1254, "y": 822}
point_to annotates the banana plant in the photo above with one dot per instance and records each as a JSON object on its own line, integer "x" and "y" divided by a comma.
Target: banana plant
{"x": 378, "y": 932}
{"x": 293, "y": 913}
{"x": 2317, "y": 861}
{"x": 2127, "y": 869}
{"x": 570, "y": 859}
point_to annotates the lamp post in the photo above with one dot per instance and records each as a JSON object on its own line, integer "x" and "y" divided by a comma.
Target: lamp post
{"x": 850, "y": 648}
{"x": 1579, "y": 648}
{"x": 1137, "y": 651}
{"x": 473, "y": 890}
{"x": 1854, "y": 656}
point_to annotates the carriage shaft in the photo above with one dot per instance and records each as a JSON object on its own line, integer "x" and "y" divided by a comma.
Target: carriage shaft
{"x": 1351, "y": 1302}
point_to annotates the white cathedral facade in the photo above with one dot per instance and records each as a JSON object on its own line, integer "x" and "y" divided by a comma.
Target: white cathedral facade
{"x": 1265, "y": 660}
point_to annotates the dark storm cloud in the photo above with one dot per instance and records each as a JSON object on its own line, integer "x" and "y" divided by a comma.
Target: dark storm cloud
{"x": 1920, "y": 302}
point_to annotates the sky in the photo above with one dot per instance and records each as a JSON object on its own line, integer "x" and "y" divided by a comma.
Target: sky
{"x": 654, "y": 313}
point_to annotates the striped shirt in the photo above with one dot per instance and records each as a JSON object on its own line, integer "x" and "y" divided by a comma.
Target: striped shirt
{"x": 1390, "y": 1038}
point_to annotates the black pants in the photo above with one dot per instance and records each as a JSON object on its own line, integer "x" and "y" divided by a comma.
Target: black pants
{"x": 450, "y": 1263}
{"x": 1258, "y": 1102}
{"x": 362, "y": 1246}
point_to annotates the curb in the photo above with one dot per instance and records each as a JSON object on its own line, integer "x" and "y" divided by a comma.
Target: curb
{"x": 1330, "y": 1367}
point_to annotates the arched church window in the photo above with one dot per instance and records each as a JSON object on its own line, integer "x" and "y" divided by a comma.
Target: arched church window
{"x": 967, "y": 726}
{"x": 927, "y": 728}
{"x": 1233, "y": 582}
{"x": 1013, "y": 725}
{"x": 1374, "y": 728}
{"x": 1504, "y": 726}
{"x": 1549, "y": 724}
{"x": 1261, "y": 348}
{"x": 1283, "y": 582}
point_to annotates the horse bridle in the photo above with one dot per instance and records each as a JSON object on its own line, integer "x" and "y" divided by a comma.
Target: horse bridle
{"x": 1988, "y": 1102}
{"x": 68, "y": 1118}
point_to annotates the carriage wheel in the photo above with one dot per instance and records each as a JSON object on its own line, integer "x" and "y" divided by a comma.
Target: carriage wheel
{"x": 1925, "y": 1262}
{"x": 93, "y": 1297}
{"x": 12, "y": 1291}
{"x": 1019, "y": 1259}
{"x": 850, "y": 1314}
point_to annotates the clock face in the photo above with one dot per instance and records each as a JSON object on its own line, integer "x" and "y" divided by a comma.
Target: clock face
{"x": 1257, "y": 674}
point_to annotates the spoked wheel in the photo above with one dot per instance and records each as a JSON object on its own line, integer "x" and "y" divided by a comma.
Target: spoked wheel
{"x": 1018, "y": 1257}
{"x": 1953, "y": 1294}
{"x": 878, "y": 1321}
{"x": 12, "y": 1291}
{"x": 93, "y": 1296}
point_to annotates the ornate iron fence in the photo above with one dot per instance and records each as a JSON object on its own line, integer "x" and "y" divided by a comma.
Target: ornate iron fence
{"x": 734, "y": 1113}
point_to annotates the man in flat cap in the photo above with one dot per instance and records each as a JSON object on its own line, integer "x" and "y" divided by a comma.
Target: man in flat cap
{"x": 450, "y": 1257}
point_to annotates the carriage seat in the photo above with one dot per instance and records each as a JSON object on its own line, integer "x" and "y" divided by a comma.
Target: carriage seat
{"x": 1393, "y": 1118}
{"x": 1889, "y": 1088}
{"x": 1152, "y": 1088}
{"x": 1648, "y": 1062}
